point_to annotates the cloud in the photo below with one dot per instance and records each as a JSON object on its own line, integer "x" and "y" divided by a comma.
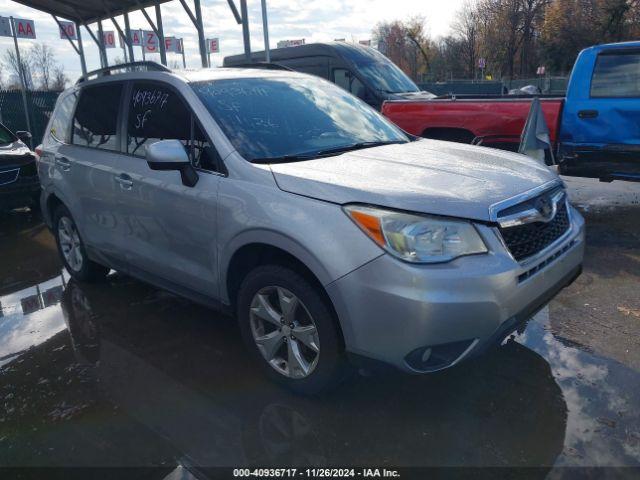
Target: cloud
{"x": 314, "y": 20}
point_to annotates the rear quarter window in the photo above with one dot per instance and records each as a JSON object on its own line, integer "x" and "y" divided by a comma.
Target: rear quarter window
{"x": 60, "y": 129}
{"x": 616, "y": 75}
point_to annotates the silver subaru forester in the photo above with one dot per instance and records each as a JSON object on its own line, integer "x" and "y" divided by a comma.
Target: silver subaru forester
{"x": 327, "y": 231}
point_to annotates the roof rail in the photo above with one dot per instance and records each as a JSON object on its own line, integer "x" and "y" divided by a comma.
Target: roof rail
{"x": 130, "y": 67}
{"x": 263, "y": 65}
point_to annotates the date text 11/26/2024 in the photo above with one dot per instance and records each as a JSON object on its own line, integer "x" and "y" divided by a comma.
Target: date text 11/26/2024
{"x": 316, "y": 473}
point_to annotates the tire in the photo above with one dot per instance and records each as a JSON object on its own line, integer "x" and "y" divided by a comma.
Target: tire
{"x": 309, "y": 372}
{"x": 79, "y": 267}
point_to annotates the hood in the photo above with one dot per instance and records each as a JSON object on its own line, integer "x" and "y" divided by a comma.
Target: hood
{"x": 427, "y": 176}
{"x": 15, "y": 153}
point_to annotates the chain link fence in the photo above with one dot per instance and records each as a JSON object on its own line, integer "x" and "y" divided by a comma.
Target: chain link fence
{"x": 40, "y": 105}
{"x": 547, "y": 85}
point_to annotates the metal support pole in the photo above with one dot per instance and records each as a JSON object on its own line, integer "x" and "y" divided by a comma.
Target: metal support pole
{"x": 66, "y": 35}
{"x": 124, "y": 49}
{"x": 144, "y": 55}
{"x": 23, "y": 79}
{"x": 184, "y": 61}
{"x": 103, "y": 50}
{"x": 201, "y": 40}
{"x": 127, "y": 32}
{"x": 122, "y": 35}
{"x": 163, "y": 45}
{"x": 245, "y": 30}
{"x": 95, "y": 39}
{"x": 265, "y": 30}
{"x": 83, "y": 62}
{"x": 234, "y": 10}
{"x": 209, "y": 57}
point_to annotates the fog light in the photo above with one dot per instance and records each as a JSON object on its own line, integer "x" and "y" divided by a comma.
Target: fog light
{"x": 437, "y": 357}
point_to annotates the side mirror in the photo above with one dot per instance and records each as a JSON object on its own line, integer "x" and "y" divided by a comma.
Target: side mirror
{"x": 171, "y": 155}
{"x": 23, "y": 136}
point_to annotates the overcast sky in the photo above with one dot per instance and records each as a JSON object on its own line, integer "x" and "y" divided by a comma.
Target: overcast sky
{"x": 313, "y": 20}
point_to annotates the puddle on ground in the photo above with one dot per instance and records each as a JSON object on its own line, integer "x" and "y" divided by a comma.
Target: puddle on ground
{"x": 122, "y": 374}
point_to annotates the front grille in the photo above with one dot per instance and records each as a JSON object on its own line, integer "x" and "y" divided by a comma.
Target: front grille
{"x": 9, "y": 176}
{"x": 526, "y": 240}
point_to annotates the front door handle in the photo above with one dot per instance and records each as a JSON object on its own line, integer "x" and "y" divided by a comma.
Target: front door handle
{"x": 63, "y": 163}
{"x": 125, "y": 181}
{"x": 588, "y": 113}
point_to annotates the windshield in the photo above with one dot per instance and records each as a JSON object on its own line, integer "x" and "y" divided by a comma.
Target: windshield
{"x": 272, "y": 118}
{"x": 387, "y": 77}
{"x": 381, "y": 73}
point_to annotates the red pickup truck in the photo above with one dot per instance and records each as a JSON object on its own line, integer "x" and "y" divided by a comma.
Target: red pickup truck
{"x": 489, "y": 121}
{"x": 594, "y": 128}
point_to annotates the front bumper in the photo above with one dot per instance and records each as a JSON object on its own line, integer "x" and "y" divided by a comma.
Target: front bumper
{"x": 21, "y": 192}
{"x": 423, "y": 318}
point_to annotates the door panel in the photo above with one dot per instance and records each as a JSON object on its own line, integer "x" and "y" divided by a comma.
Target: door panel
{"x": 90, "y": 161}
{"x": 170, "y": 229}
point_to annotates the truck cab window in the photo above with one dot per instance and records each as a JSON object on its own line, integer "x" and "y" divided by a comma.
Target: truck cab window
{"x": 616, "y": 75}
{"x": 158, "y": 113}
{"x": 347, "y": 80}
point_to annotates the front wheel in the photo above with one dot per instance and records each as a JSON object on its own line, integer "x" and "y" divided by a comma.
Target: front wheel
{"x": 72, "y": 251}
{"x": 291, "y": 331}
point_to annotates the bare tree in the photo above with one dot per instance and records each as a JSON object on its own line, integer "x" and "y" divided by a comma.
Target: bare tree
{"x": 10, "y": 64}
{"x": 59, "y": 79}
{"x": 44, "y": 63}
{"x": 467, "y": 30}
{"x": 405, "y": 43}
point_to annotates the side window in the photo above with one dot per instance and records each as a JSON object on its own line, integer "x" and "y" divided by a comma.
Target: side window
{"x": 345, "y": 79}
{"x": 318, "y": 66}
{"x": 61, "y": 122}
{"x": 616, "y": 75}
{"x": 96, "y": 120}
{"x": 158, "y": 113}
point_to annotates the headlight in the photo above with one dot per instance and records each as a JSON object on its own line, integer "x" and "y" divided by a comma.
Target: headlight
{"x": 417, "y": 238}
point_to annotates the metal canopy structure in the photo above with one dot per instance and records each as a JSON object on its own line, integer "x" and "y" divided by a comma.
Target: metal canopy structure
{"x": 85, "y": 12}
{"x": 89, "y": 11}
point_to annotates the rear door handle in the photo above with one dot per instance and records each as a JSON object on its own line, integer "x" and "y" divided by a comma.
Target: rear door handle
{"x": 588, "y": 113}
{"x": 125, "y": 181}
{"x": 63, "y": 163}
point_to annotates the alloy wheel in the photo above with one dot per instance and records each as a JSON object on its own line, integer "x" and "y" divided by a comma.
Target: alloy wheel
{"x": 285, "y": 332}
{"x": 70, "y": 243}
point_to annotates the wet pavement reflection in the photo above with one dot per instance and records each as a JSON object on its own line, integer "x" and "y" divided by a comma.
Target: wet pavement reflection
{"x": 123, "y": 374}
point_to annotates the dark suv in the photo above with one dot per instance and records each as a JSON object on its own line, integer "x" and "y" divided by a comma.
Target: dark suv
{"x": 19, "y": 185}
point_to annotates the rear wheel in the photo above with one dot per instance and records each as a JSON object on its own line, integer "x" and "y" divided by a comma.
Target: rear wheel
{"x": 72, "y": 250}
{"x": 291, "y": 331}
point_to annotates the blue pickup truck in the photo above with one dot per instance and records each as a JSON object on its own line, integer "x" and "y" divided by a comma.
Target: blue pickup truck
{"x": 599, "y": 135}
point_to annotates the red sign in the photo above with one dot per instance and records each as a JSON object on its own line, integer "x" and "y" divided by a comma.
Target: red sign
{"x": 24, "y": 28}
{"x": 213, "y": 45}
{"x": 151, "y": 43}
{"x": 68, "y": 30}
{"x": 109, "y": 39}
{"x": 136, "y": 38}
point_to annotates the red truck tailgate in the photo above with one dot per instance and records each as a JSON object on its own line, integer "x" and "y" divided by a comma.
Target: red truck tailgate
{"x": 491, "y": 117}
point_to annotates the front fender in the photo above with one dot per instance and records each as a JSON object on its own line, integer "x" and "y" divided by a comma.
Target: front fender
{"x": 273, "y": 239}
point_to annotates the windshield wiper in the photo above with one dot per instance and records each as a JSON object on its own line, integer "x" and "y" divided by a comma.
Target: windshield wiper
{"x": 358, "y": 146}
{"x": 324, "y": 153}
{"x": 284, "y": 158}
